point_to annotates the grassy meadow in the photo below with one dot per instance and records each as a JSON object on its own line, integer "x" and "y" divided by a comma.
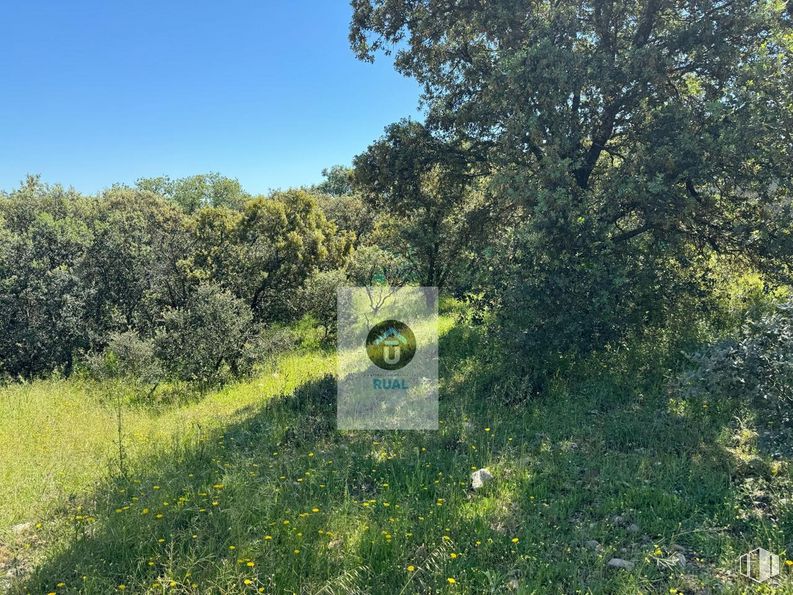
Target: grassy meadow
{"x": 251, "y": 489}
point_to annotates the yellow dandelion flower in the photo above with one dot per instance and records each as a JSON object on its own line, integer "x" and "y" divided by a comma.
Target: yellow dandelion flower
{"x": 268, "y": 537}
{"x": 453, "y": 556}
{"x": 515, "y": 540}
{"x": 451, "y": 581}
{"x": 248, "y": 581}
{"x": 411, "y": 568}
{"x": 315, "y": 509}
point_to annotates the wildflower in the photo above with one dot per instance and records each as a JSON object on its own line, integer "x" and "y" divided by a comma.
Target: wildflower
{"x": 451, "y": 581}
{"x": 122, "y": 587}
{"x": 315, "y": 509}
{"x": 248, "y": 581}
{"x": 268, "y": 537}
{"x": 411, "y": 568}
{"x": 250, "y": 564}
{"x": 788, "y": 562}
{"x": 453, "y": 556}
{"x": 295, "y": 552}
{"x": 487, "y": 429}
{"x": 515, "y": 540}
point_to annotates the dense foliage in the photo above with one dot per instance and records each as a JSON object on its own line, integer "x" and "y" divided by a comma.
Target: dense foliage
{"x": 632, "y": 142}
{"x": 754, "y": 365}
{"x": 132, "y": 271}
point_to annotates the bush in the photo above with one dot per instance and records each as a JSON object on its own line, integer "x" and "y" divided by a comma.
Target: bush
{"x": 756, "y": 364}
{"x": 205, "y": 341}
{"x": 126, "y": 356}
{"x": 372, "y": 265}
{"x": 317, "y": 298}
{"x": 262, "y": 346}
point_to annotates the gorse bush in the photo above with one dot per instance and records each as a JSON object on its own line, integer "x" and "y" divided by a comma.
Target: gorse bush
{"x": 755, "y": 365}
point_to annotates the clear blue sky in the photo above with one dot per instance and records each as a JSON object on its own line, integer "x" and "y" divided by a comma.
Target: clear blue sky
{"x": 107, "y": 91}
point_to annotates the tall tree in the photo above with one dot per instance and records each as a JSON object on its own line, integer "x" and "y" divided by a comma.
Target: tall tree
{"x": 635, "y": 137}
{"x": 194, "y": 192}
{"x": 427, "y": 198}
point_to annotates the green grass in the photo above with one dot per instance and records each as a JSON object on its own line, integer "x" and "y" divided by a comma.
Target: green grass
{"x": 253, "y": 488}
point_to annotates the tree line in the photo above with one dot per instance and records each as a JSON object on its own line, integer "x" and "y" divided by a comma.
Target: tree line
{"x": 585, "y": 175}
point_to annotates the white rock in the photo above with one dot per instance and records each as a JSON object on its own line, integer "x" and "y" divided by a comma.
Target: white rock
{"x": 21, "y": 528}
{"x": 592, "y": 544}
{"x": 620, "y": 563}
{"x": 480, "y": 478}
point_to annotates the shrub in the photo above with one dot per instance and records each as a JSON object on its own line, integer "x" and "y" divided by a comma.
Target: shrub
{"x": 262, "y": 346}
{"x": 317, "y": 298}
{"x": 756, "y": 364}
{"x": 205, "y": 341}
{"x": 126, "y": 356}
{"x": 372, "y": 265}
